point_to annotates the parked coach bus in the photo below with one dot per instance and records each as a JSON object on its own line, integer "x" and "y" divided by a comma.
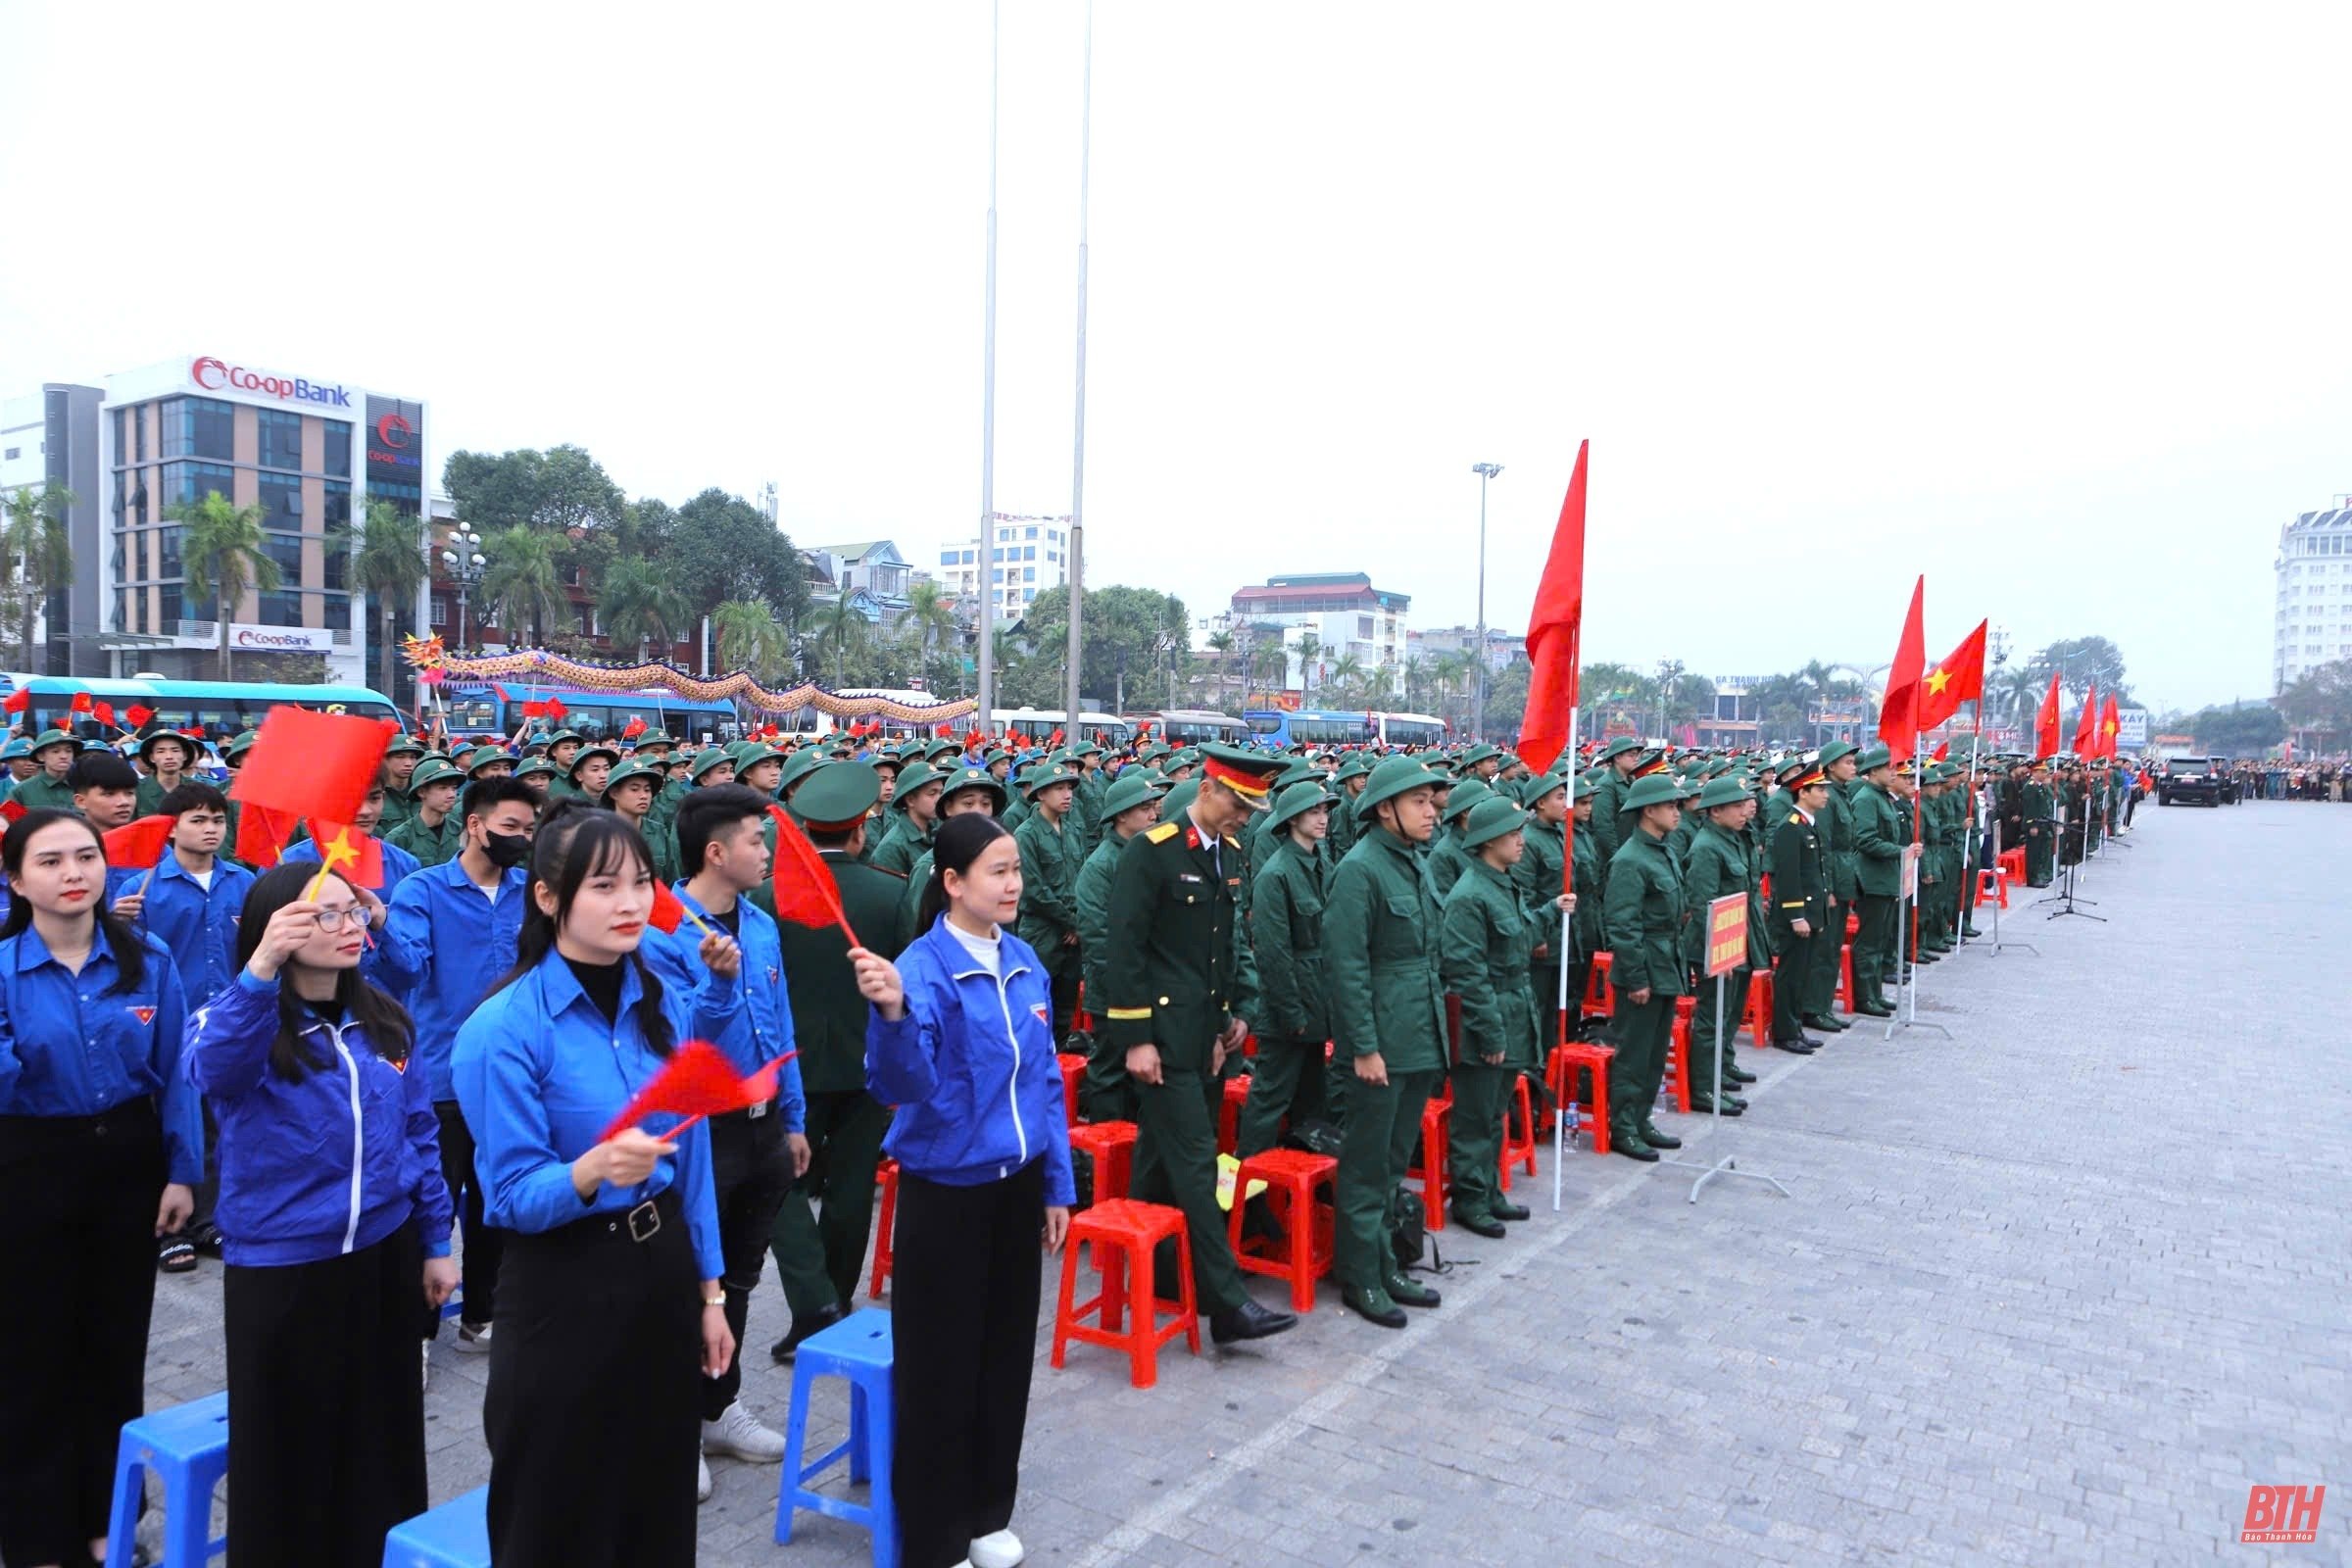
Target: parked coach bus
{"x": 477, "y": 710}
{"x": 1309, "y": 727}
{"x": 222, "y": 707}
{"x": 1193, "y": 726}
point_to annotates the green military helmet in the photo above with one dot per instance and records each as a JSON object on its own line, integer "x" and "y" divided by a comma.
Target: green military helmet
{"x": 1535, "y": 786}
{"x": 1179, "y": 798}
{"x": 1084, "y": 749}
{"x": 633, "y": 768}
{"x": 1299, "y": 772}
{"x": 1873, "y": 757}
{"x": 1354, "y": 766}
{"x": 532, "y": 768}
{"x": 1618, "y": 748}
{"x": 1477, "y": 754}
{"x": 974, "y": 778}
{"x": 1492, "y": 818}
{"x": 560, "y": 736}
{"x": 484, "y": 757}
{"x": 1465, "y": 797}
{"x": 1587, "y": 785}
{"x": 55, "y": 737}
{"x": 1131, "y": 790}
{"x": 434, "y": 770}
{"x": 1301, "y": 796}
{"x": 797, "y": 766}
{"x": 1657, "y": 789}
{"x": 402, "y": 745}
{"x": 703, "y": 761}
{"x": 1037, "y": 775}
{"x": 834, "y": 797}
{"x": 1835, "y": 750}
{"x": 232, "y": 754}
{"x": 912, "y": 778}
{"x": 592, "y": 749}
{"x": 1727, "y": 790}
{"x": 1391, "y": 779}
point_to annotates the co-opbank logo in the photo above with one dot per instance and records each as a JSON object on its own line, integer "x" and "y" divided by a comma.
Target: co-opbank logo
{"x": 213, "y": 375}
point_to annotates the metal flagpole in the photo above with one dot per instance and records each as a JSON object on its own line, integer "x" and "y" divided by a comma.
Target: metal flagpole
{"x": 1077, "y": 557}
{"x": 1992, "y": 835}
{"x": 1906, "y": 930}
{"x": 984, "y": 581}
{"x": 1559, "y": 1112}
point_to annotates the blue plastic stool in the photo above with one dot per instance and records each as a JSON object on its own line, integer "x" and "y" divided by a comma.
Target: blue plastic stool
{"x": 858, "y": 1348}
{"x": 187, "y": 1446}
{"x": 455, "y": 1535}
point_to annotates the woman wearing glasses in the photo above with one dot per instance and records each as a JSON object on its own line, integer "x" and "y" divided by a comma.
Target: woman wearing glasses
{"x": 337, "y": 1224}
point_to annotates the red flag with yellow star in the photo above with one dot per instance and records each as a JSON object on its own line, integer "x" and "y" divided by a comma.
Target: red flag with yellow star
{"x": 1956, "y": 678}
{"x": 350, "y": 854}
{"x": 2111, "y": 726}
{"x": 1899, "y": 708}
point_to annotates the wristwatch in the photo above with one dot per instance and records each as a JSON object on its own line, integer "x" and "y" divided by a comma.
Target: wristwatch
{"x": 714, "y": 1301}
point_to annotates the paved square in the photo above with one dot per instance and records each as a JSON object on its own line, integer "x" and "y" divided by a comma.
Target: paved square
{"x": 2056, "y": 1290}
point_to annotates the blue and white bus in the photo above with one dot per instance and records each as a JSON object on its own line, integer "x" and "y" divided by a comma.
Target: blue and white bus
{"x": 1315, "y": 726}
{"x": 483, "y": 709}
{"x": 222, "y": 709}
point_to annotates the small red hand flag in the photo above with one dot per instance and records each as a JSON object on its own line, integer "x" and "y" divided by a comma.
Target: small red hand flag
{"x": 348, "y": 853}
{"x": 18, "y": 701}
{"x": 81, "y": 703}
{"x": 137, "y": 846}
{"x": 698, "y": 1080}
{"x": 670, "y": 913}
{"x": 313, "y": 765}
{"x": 1555, "y": 630}
{"x": 262, "y": 834}
{"x": 1899, "y": 711}
{"x": 138, "y": 713}
{"x": 534, "y": 710}
{"x": 556, "y": 708}
{"x": 104, "y": 712}
{"x": 801, "y": 882}
{"x": 12, "y": 810}
{"x": 633, "y": 729}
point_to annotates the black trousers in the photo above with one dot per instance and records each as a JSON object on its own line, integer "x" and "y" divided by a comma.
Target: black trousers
{"x": 326, "y": 1416}
{"x": 82, "y": 1196}
{"x": 752, "y": 1170}
{"x": 592, "y": 1412}
{"x": 1791, "y": 978}
{"x": 820, "y": 1253}
{"x": 964, "y": 1317}
{"x": 483, "y": 1244}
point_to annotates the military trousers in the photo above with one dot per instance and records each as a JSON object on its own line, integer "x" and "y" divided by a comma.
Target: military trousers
{"x": 1176, "y": 1163}
{"x": 1286, "y": 1080}
{"x": 2041, "y": 858}
{"x": 1474, "y": 1136}
{"x": 1874, "y": 946}
{"x": 1106, "y": 1093}
{"x": 1703, "y": 1019}
{"x": 819, "y": 1253}
{"x": 1821, "y": 978}
{"x": 1384, "y": 1122}
{"x": 1644, "y": 1032}
{"x": 1791, "y": 982}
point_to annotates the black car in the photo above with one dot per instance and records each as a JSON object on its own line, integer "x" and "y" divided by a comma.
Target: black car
{"x": 2201, "y": 780}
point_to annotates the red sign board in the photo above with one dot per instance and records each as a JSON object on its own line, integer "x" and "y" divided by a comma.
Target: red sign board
{"x": 1727, "y": 933}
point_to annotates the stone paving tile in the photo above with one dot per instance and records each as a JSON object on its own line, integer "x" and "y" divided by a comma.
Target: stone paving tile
{"x": 2055, "y": 1290}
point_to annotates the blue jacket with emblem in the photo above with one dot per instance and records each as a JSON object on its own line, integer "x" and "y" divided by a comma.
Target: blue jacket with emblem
{"x": 446, "y": 943}
{"x": 199, "y": 924}
{"x": 761, "y": 1029}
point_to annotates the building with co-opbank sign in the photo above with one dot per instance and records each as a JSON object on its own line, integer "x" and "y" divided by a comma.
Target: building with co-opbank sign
{"x": 311, "y": 449}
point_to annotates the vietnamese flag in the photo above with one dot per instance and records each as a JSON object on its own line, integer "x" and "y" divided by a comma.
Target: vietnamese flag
{"x": 698, "y": 1080}
{"x": 633, "y": 729}
{"x": 137, "y": 846}
{"x": 262, "y": 834}
{"x": 2087, "y": 728}
{"x": 138, "y": 713}
{"x": 1955, "y": 679}
{"x": 83, "y": 703}
{"x": 313, "y": 765}
{"x": 1942, "y": 753}
{"x": 2111, "y": 725}
{"x": 2045, "y": 722}
{"x": 801, "y": 882}
{"x": 1555, "y": 631}
{"x": 104, "y": 712}
{"x": 1899, "y": 708}
{"x": 18, "y": 701}
{"x": 556, "y": 708}
{"x": 670, "y": 913}
{"x": 350, "y": 854}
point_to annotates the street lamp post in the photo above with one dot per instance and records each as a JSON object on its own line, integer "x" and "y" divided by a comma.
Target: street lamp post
{"x": 1478, "y": 712}
{"x": 463, "y": 560}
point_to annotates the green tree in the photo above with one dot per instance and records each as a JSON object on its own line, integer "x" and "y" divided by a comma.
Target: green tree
{"x": 640, "y": 605}
{"x": 2319, "y": 700}
{"x": 841, "y": 627}
{"x": 750, "y": 638}
{"x": 2247, "y": 729}
{"x": 35, "y": 541}
{"x": 559, "y": 490}
{"x": 521, "y": 585}
{"x": 721, "y": 547}
{"x": 222, "y": 557}
{"x": 1140, "y": 630}
{"x": 1346, "y": 678}
{"x": 1311, "y": 650}
{"x": 2081, "y": 662}
{"x": 1506, "y": 700}
{"x": 387, "y": 562}
{"x": 1220, "y": 643}
{"x": 928, "y": 621}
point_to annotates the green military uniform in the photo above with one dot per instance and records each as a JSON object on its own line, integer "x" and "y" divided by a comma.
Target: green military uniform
{"x": 1381, "y": 923}
{"x": 1106, "y": 1094}
{"x": 1643, "y": 913}
{"x": 1487, "y": 941}
{"x": 1286, "y": 940}
{"x": 658, "y": 840}
{"x": 1049, "y": 922}
{"x": 905, "y": 842}
{"x": 1173, "y": 980}
{"x": 1608, "y": 792}
{"x": 1935, "y": 880}
{"x": 431, "y": 845}
{"x": 1541, "y": 876}
{"x": 1801, "y": 892}
{"x": 561, "y": 787}
{"x": 151, "y": 787}
{"x": 2037, "y": 804}
{"x": 1836, "y": 825}
{"x": 1879, "y": 846}
{"x": 1448, "y": 860}
{"x": 41, "y": 792}
{"x": 1722, "y": 863}
{"x": 919, "y": 874}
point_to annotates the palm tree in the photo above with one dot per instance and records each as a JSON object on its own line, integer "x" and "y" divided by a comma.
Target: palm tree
{"x": 928, "y": 617}
{"x": 220, "y": 552}
{"x": 1310, "y": 649}
{"x": 640, "y": 605}
{"x": 1416, "y": 676}
{"x": 748, "y": 637}
{"x": 1220, "y": 643}
{"x": 35, "y": 538}
{"x": 840, "y": 627}
{"x": 521, "y": 586}
{"x": 1347, "y": 672}
{"x": 387, "y": 562}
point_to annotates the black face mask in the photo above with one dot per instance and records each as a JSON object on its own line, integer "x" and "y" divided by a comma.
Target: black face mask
{"x": 506, "y": 849}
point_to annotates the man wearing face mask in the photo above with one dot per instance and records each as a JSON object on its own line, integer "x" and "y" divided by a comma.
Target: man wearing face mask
{"x": 450, "y": 932}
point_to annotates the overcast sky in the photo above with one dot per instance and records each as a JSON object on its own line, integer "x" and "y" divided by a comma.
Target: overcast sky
{"x": 2047, "y": 302}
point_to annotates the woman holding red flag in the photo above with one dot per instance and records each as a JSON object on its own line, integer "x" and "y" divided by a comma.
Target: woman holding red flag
{"x": 610, "y": 1298}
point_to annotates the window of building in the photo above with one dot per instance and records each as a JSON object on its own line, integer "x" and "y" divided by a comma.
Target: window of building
{"x": 946, "y": 558}
{"x": 1363, "y": 627}
{"x": 1028, "y": 574}
{"x": 286, "y": 549}
{"x": 1028, "y": 595}
{"x": 169, "y": 610}
{"x": 195, "y": 427}
{"x": 338, "y": 447}
{"x": 1054, "y": 534}
{"x": 281, "y": 501}
{"x": 282, "y": 608}
{"x": 338, "y": 503}
{"x": 169, "y": 563}
{"x": 405, "y": 497}
{"x": 440, "y": 610}
{"x": 281, "y": 438}
{"x": 185, "y": 483}
{"x": 967, "y": 558}
{"x": 338, "y": 611}
{"x": 138, "y": 436}
{"x": 122, "y": 452}
{"x": 1051, "y": 555}
{"x": 338, "y": 566}
{"x": 1029, "y": 552}
{"x": 13, "y": 453}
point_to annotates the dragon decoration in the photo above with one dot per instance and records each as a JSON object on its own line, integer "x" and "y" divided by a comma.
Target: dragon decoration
{"x": 434, "y": 664}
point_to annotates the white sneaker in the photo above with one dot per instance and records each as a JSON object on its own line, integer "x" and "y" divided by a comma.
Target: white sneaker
{"x": 999, "y": 1549}
{"x": 702, "y": 1479}
{"x": 473, "y": 1339}
{"x": 738, "y": 1432}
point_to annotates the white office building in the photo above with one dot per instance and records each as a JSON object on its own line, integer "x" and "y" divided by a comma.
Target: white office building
{"x": 1031, "y": 555}
{"x": 2312, "y": 623}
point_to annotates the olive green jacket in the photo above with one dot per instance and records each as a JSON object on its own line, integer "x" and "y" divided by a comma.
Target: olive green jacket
{"x": 1286, "y": 938}
{"x": 1644, "y": 912}
{"x": 1447, "y": 861}
{"x": 1879, "y": 840}
{"x": 1380, "y": 948}
{"x": 1722, "y": 863}
{"x": 828, "y": 1013}
{"x": 1048, "y": 889}
{"x": 900, "y": 847}
{"x": 1093, "y": 896}
{"x": 1837, "y": 827}
{"x": 1487, "y": 941}
{"x": 1175, "y": 975}
{"x": 431, "y": 846}
{"x": 40, "y": 793}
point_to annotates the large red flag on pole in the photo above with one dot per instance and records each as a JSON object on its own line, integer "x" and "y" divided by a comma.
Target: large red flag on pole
{"x": 1554, "y": 628}
{"x": 2087, "y": 728}
{"x": 2045, "y": 722}
{"x": 1955, "y": 679}
{"x": 2111, "y": 727}
{"x": 1899, "y": 711}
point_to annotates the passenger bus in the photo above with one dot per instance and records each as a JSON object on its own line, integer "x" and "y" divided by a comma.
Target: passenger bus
{"x": 477, "y": 710}
{"x": 1032, "y": 725}
{"x": 1310, "y": 726}
{"x": 221, "y": 709}
{"x": 1193, "y": 726}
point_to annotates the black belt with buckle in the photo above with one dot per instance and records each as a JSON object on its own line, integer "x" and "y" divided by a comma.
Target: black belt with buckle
{"x": 640, "y": 1224}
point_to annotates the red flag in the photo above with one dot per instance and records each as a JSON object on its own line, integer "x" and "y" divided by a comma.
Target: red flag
{"x": 136, "y": 845}
{"x": 670, "y": 913}
{"x": 350, "y": 854}
{"x": 12, "y": 810}
{"x": 556, "y": 708}
{"x": 1899, "y": 711}
{"x": 18, "y": 701}
{"x": 633, "y": 729}
{"x": 138, "y": 713}
{"x": 2087, "y": 728}
{"x": 313, "y": 765}
{"x": 973, "y": 740}
{"x": 81, "y": 703}
{"x": 1554, "y": 630}
{"x": 1953, "y": 680}
{"x": 534, "y": 710}
{"x": 104, "y": 712}
{"x": 1941, "y": 751}
{"x": 696, "y": 1080}
{"x": 2111, "y": 725}
{"x": 262, "y": 834}
{"x": 801, "y": 882}
{"x": 1055, "y": 739}
{"x": 2045, "y": 722}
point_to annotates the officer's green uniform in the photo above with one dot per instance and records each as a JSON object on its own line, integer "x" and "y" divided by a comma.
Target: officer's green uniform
{"x": 1049, "y": 922}
{"x": 1879, "y": 844}
{"x": 1800, "y": 891}
{"x": 1286, "y": 940}
{"x": 432, "y": 846}
{"x": 1722, "y": 863}
{"x": 1643, "y": 914}
{"x": 1174, "y": 980}
{"x": 1380, "y": 941}
{"x": 1836, "y": 825}
{"x": 819, "y": 1256}
{"x": 1106, "y": 1093}
{"x": 1485, "y": 944}
{"x": 2038, "y": 801}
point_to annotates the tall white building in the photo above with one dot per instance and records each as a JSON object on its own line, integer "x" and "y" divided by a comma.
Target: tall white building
{"x": 2312, "y": 623}
{"x": 1341, "y": 610}
{"x": 1031, "y": 555}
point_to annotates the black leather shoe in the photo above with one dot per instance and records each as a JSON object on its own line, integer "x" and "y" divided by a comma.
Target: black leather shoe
{"x": 1797, "y": 1047}
{"x": 1631, "y": 1148}
{"x": 1407, "y": 1291}
{"x": 1737, "y": 1075}
{"x": 1373, "y": 1306}
{"x": 1874, "y": 1012}
{"x": 1658, "y": 1140}
{"x": 1486, "y": 1225}
{"x": 1827, "y": 1025}
{"x": 1510, "y": 1212}
{"x": 1248, "y": 1321}
{"x": 785, "y": 1349}
{"x": 1701, "y": 1105}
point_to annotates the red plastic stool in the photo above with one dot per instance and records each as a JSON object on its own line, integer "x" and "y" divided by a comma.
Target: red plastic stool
{"x": 1677, "y": 1078}
{"x": 1305, "y": 1256}
{"x": 1992, "y": 887}
{"x": 1561, "y": 1071}
{"x": 1758, "y": 1018}
{"x": 1600, "y": 996}
{"x": 1121, "y": 1234}
{"x": 1518, "y": 1149}
{"x": 1073, "y": 1072}
{"x": 884, "y": 1225}
{"x": 1437, "y": 1117}
{"x": 2013, "y": 862}
{"x": 1111, "y": 1145}
{"x": 1845, "y": 976}
{"x": 1229, "y": 1115}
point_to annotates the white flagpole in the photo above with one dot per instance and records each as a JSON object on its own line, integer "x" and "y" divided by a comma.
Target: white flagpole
{"x": 1559, "y": 1112}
